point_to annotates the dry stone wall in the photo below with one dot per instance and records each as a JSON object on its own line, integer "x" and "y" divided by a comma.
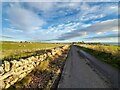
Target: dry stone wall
{"x": 14, "y": 71}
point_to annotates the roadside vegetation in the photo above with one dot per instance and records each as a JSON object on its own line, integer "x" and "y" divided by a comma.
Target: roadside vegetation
{"x": 106, "y": 53}
{"x": 17, "y": 50}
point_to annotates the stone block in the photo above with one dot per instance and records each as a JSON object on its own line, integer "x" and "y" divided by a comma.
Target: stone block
{"x": 6, "y": 75}
{"x": 37, "y": 57}
{"x": 41, "y": 57}
{"x": 33, "y": 63}
{"x": 13, "y": 67}
{"x": 15, "y": 79}
{"x": 59, "y": 53}
{"x": 23, "y": 61}
{"x": 45, "y": 55}
{"x": 22, "y": 75}
{"x": 37, "y": 63}
{"x": 9, "y": 79}
{"x": 19, "y": 69}
{"x": 2, "y": 84}
{"x": 6, "y": 66}
{"x": 1, "y": 70}
{"x": 19, "y": 63}
{"x": 32, "y": 58}
{"x": 53, "y": 53}
{"x": 7, "y": 85}
{"x": 49, "y": 54}
{"x": 25, "y": 66}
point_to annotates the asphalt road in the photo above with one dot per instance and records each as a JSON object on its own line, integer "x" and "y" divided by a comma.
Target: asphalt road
{"x": 78, "y": 74}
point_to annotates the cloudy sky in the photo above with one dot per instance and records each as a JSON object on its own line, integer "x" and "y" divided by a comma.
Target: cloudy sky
{"x": 60, "y": 21}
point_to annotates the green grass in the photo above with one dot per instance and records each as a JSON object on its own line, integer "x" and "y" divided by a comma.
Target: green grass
{"x": 16, "y": 50}
{"x": 107, "y": 54}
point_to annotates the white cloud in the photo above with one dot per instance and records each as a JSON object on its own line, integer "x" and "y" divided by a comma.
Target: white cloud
{"x": 99, "y": 33}
{"x": 108, "y": 36}
{"x": 93, "y": 12}
{"x": 47, "y": 6}
{"x": 24, "y": 19}
{"x": 70, "y": 4}
{"x": 91, "y": 17}
{"x": 105, "y": 26}
{"x": 53, "y": 32}
{"x": 100, "y": 28}
{"x": 7, "y": 37}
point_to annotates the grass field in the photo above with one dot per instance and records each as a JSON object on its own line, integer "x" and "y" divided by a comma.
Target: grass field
{"x": 107, "y": 54}
{"x": 16, "y": 50}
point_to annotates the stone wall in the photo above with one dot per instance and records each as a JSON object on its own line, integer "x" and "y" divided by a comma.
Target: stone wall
{"x": 14, "y": 71}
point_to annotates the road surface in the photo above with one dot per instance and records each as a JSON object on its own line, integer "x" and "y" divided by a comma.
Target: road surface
{"x": 78, "y": 74}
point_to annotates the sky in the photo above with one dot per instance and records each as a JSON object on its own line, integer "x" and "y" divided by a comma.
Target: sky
{"x": 59, "y": 21}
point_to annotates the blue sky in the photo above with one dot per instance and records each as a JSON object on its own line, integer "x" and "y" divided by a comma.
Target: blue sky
{"x": 60, "y": 21}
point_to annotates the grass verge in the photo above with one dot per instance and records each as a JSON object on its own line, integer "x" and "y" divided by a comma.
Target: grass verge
{"x": 103, "y": 55}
